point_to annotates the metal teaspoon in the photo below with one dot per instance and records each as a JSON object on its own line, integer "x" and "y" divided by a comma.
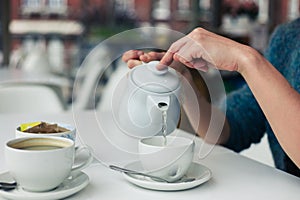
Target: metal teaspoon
{"x": 128, "y": 171}
{"x": 8, "y": 186}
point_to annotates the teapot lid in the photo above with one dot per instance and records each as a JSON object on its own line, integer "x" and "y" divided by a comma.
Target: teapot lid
{"x": 146, "y": 76}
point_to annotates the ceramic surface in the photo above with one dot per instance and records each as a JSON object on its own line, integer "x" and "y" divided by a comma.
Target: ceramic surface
{"x": 69, "y": 186}
{"x": 201, "y": 174}
{"x": 46, "y": 164}
{"x": 169, "y": 161}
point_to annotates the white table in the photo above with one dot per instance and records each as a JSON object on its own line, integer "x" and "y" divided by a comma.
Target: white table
{"x": 234, "y": 176}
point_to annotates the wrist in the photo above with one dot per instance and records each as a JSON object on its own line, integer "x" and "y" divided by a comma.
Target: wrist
{"x": 249, "y": 61}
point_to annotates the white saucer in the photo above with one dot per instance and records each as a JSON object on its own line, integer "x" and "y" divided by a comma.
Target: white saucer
{"x": 200, "y": 172}
{"x": 70, "y": 186}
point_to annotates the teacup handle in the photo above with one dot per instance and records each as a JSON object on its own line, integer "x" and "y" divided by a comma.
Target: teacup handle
{"x": 85, "y": 163}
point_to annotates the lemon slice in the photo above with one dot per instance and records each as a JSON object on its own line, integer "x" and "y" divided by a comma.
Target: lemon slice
{"x": 25, "y": 126}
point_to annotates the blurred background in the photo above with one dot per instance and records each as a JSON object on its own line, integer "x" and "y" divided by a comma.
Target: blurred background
{"x": 76, "y": 25}
{"x": 62, "y": 32}
{"x": 44, "y": 43}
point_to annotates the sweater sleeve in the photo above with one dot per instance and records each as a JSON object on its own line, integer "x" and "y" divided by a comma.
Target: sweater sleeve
{"x": 278, "y": 48}
{"x": 246, "y": 120}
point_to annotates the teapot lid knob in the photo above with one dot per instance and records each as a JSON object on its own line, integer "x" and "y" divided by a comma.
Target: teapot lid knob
{"x": 152, "y": 67}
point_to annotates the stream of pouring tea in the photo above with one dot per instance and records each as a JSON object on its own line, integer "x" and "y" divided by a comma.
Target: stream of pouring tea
{"x": 164, "y": 107}
{"x": 164, "y": 126}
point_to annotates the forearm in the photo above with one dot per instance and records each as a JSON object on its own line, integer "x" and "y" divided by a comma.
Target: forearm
{"x": 278, "y": 100}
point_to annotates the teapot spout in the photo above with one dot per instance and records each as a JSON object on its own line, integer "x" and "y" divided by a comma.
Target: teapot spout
{"x": 162, "y": 106}
{"x": 160, "y": 102}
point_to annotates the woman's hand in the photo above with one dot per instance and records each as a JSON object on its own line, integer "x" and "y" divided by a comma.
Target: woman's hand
{"x": 136, "y": 57}
{"x": 202, "y": 48}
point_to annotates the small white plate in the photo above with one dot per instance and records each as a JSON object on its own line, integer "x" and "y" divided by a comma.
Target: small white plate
{"x": 70, "y": 186}
{"x": 200, "y": 172}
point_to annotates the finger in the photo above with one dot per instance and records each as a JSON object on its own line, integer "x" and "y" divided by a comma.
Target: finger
{"x": 146, "y": 58}
{"x": 156, "y": 55}
{"x": 177, "y": 57}
{"x": 132, "y": 54}
{"x": 204, "y": 68}
{"x": 185, "y": 55}
{"x": 168, "y": 58}
{"x": 201, "y": 65}
{"x": 198, "y": 63}
{"x": 193, "y": 55}
{"x": 143, "y": 58}
{"x": 132, "y": 63}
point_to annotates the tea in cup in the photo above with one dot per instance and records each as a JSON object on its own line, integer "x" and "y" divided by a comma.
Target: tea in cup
{"x": 37, "y": 129}
{"x": 169, "y": 160}
{"x": 42, "y": 163}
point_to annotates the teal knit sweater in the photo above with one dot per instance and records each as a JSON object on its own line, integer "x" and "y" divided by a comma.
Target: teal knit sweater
{"x": 247, "y": 121}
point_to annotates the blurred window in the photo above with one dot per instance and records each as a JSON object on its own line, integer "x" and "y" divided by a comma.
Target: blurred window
{"x": 56, "y": 3}
{"x": 32, "y": 6}
{"x": 293, "y": 9}
{"x": 205, "y": 4}
{"x": 183, "y": 11}
{"x": 161, "y": 10}
{"x": 183, "y": 5}
{"x": 124, "y": 5}
{"x": 58, "y": 7}
{"x": 32, "y": 3}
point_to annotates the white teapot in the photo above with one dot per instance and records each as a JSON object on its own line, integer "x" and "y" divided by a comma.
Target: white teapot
{"x": 149, "y": 92}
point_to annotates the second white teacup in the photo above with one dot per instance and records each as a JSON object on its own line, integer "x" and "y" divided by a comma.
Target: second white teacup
{"x": 42, "y": 163}
{"x": 169, "y": 161}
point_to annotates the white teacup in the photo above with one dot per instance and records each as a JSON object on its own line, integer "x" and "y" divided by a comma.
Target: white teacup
{"x": 42, "y": 163}
{"x": 71, "y": 134}
{"x": 169, "y": 161}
